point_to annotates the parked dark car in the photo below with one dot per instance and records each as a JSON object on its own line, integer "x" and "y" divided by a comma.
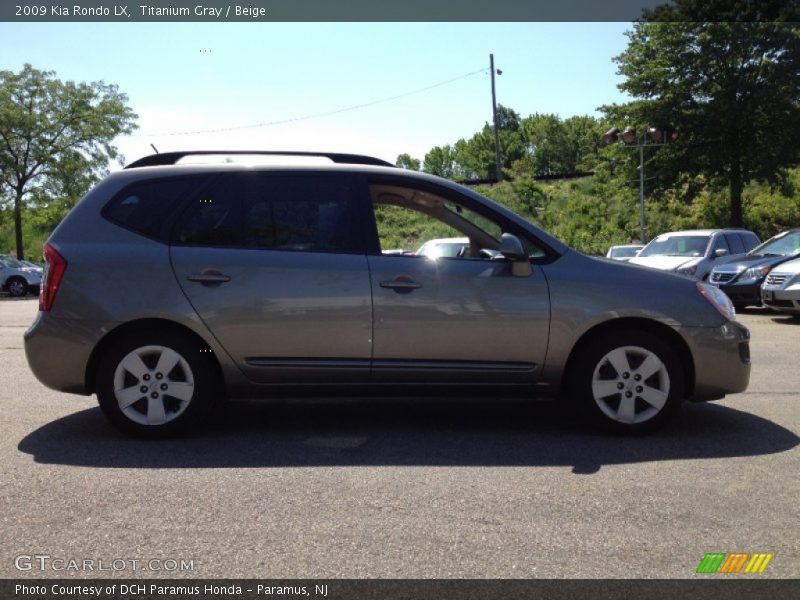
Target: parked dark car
{"x": 741, "y": 279}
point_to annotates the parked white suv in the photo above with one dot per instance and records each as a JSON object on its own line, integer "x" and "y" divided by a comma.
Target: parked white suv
{"x": 695, "y": 252}
{"x": 17, "y": 278}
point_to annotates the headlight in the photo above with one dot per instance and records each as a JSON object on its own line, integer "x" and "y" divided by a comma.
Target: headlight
{"x": 718, "y": 300}
{"x": 689, "y": 267}
{"x": 754, "y": 273}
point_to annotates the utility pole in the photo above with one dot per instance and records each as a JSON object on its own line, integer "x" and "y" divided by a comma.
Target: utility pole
{"x": 497, "y": 161}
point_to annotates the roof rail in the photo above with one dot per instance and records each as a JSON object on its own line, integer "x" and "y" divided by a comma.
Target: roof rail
{"x": 170, "y": 158}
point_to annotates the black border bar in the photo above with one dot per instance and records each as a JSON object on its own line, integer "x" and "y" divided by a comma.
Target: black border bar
{"x": 716, "y": 587}
{"x": 122, "y": 11}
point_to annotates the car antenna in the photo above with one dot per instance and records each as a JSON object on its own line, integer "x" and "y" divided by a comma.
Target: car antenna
{"x": 154, "y": 148}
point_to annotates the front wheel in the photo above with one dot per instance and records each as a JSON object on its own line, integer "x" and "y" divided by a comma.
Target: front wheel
{"x": 17, "y": 287}
{"x": 627, "y": 382}
{"x": 157, "y": 384}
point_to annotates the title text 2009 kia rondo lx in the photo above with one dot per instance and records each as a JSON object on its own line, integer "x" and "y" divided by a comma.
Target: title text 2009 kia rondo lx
{"x": 171, "y": 286}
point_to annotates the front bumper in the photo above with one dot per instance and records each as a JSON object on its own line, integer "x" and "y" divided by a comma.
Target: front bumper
{"x": 743, "y": 294}
{"x": 787, "y": 300}
{"x": 721, "y": 359}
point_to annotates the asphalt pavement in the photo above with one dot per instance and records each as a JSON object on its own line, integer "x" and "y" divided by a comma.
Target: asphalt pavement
{"x": 417, "y": 488}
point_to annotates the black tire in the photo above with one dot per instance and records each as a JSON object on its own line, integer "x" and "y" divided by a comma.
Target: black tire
{"x": 17, "y": 286}
{"x": 592, "y": 358}
{"x": 740, "y": 307}
{"x": 199, "y": 370}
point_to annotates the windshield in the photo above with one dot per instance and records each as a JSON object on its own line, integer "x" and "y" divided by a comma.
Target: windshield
{"x": 783, "y": 244}
{"x": 623, "y": 252}
{"x": 677, "y": 245}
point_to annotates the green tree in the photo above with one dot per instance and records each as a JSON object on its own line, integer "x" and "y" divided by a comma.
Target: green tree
{"x": 731, "y": 88}
{"x": 440, "y": 160}
{"x": 475, "y": 158}
{"x": 406, "y": 161}
{"x": 546, "y": 147}
{"x": 55, "y": 137}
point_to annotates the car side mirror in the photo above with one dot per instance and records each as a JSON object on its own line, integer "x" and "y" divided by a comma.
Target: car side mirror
{"x": 720, "y": 252}
{"x": 511, "y": 248}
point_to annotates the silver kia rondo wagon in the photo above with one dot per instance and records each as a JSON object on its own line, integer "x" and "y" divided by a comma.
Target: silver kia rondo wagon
{"x": 171, "y": 287}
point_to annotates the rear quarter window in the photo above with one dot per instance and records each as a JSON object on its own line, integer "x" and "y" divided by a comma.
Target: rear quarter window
{"x": 146, "y": 207}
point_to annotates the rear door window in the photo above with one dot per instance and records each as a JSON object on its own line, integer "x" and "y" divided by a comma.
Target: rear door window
{"x": 735, "y": 243}
{"x": 214, "y": 216}
{"x": 720, "y": 244}
{"x": 750, "y": 241}
{"x": 305, "y": 213}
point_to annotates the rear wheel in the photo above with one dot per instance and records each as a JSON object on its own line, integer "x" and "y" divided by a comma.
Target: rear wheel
{"x": 627, "y": 382}
{"x": 157, "y": 384}
{"x": 17, "y": 286}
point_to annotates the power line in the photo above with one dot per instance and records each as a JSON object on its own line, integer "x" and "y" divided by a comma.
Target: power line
{"x": 315, "y": 115}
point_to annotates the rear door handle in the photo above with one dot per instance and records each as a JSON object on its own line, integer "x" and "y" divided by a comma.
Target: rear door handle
{"x": 209, "y": 276}
{"x": 401, "y": 284}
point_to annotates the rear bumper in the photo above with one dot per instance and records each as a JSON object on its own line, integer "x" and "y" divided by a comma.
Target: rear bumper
{"x": 721, "y": 359}
{"x": 58, "y": 351}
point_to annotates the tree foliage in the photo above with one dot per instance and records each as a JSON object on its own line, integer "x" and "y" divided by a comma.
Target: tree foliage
{"x": 731, "y": 89}
{"x": 530, "y": 146}
{"x": 440, "y": 160}
{"x": 406, "y": 161}
{"x": 55, "y": 138}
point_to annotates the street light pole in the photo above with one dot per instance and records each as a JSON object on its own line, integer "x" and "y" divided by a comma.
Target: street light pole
{"x": 641, "y": 195}
{"x": 497, "y": 161}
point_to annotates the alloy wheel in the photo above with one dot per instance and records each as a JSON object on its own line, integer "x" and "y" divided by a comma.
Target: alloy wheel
{"x": 630, "y": 384}
{"x": 153, "y": 385}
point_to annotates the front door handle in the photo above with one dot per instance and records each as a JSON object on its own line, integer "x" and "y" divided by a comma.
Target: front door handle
{"x": 401, "y": 284}
{"x": 209, "y": 276}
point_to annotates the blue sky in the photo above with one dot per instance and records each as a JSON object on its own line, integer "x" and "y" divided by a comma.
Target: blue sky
{"x": 192, "y": 76}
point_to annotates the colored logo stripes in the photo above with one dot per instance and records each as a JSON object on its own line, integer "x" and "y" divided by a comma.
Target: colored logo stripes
{"x": 735, "y": 562}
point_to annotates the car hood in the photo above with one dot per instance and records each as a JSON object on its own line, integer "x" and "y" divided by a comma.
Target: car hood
{"x": 591, "y": 290}
{"x": 663, "y": 261}
{"x": 791, "y": 267}
{"x": 745, "y": 262}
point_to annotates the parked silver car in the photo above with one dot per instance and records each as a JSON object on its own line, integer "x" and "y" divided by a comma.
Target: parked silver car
{"x": 781, "y": 289}
{"x": 695, "y": 252}
{"x": 169, "y": 287}
{"x": 18, "y": 277}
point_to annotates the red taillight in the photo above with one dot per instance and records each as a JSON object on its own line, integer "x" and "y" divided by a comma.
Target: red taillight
{"x": 54, "y": 267}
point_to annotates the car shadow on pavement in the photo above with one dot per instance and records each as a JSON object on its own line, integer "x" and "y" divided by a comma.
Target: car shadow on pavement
{"x": 405, "y": 433}
{"x": 787, "y": 320}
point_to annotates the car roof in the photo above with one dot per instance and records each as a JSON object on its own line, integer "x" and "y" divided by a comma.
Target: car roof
{"x": 688, "y": 232}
